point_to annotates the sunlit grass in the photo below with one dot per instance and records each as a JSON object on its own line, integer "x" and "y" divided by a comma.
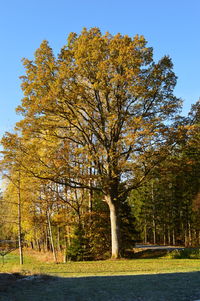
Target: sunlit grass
{"x": 99, "y": 268}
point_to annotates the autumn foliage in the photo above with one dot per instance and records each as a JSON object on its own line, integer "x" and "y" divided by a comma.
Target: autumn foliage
{"x": 97, "y": 121}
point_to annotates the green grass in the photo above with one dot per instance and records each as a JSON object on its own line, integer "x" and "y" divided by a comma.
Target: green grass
{"x": 100, "y": 268}
{"x": 160, "y": 279}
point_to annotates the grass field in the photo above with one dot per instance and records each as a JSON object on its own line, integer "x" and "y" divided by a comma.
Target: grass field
{"x": 99, "y": 268}
{"x": 137, "y": 279}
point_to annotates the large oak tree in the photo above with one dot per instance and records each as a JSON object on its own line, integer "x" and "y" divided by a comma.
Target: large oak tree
{"x": 104, "y": 110}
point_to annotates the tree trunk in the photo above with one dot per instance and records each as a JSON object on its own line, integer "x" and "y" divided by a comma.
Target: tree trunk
{"x": 164, "y": 235}
{"x": 169, "y": 236}
{"x": 173, "y": 238}
{"x": 21, "y": 258}
{"x": 115, "y": 230}
{"x": 90, "y": 192}
{"x": 154, "y": 230}
{"x": 189, "y": 234}
{"x": 65, "y": 251}
{"x": 67, "y": 243}
{"x": 186, "y": 238}
{"x": 58, "y": 239}
{"x": 38, "y": 245}
{"x": 51, "y": 237}
{"x": 47, "y": 238}
{"x": 145, "y": 231}
{"x": 154, "y": 222}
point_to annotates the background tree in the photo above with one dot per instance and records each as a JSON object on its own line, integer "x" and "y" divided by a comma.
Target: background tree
{"x": 176, "y": 192}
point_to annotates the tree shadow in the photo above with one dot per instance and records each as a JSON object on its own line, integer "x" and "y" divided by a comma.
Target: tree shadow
{"x": 150, "y": 287}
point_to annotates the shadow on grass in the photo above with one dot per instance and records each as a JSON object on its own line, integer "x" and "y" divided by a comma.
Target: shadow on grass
{"x": 151, "y": 287}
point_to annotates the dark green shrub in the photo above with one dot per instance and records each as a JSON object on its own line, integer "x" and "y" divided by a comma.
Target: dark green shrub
{"x": 187, "y": 253}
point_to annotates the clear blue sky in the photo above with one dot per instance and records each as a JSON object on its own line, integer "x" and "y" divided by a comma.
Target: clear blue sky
{"x": 171, "y": 27}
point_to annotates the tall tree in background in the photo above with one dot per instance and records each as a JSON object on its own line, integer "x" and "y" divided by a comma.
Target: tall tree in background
{"x": 104, "y": 110}
{"x": 176, "y": 192}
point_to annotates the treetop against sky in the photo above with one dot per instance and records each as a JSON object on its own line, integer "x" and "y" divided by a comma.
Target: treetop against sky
{"x": 171, "y": 28}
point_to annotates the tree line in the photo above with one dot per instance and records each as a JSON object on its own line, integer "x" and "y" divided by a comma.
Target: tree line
{"x": 101, "y": 157}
